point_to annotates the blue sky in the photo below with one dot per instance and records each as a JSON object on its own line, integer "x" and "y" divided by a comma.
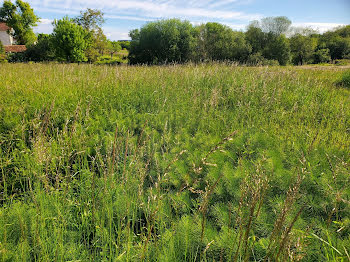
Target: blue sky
{"x": 124, "y": 15}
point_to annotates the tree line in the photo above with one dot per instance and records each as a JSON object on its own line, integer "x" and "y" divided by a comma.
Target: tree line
{"x": 270, "y": 41}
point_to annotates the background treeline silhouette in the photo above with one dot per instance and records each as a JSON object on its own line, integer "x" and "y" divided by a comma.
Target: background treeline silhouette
{"x": 269, "y": 41}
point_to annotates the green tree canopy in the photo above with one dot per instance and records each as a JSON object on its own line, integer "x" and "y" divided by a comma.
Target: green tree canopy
{"x": 219, "y": 42}
{"x": 124, "y": 44}
{"x": 275, "y": 25}
{"x": 114, "y": 47}
{"x": 277, "y": 48}
{"x": 92, "y": 20}
{"x": 43, "y": 50}
{"x": 70, "y": 40}
{"x": 302, "y": 48}
{"x": 256, "y": 38}
{"x": 21, "y": 17}
{"x": 163, "y": 41}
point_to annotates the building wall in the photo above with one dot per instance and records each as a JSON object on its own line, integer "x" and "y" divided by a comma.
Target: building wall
{"x": 5, "y": 38}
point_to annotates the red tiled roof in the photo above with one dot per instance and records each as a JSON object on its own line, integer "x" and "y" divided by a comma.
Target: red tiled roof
{"x": 15, "y": 48}
{"x": 4, "y": 27}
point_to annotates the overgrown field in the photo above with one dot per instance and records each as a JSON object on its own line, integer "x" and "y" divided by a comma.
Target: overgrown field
{"x": 176, "y": 163}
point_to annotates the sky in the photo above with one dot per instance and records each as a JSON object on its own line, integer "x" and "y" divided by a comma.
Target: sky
{"x": 125, "y": 15}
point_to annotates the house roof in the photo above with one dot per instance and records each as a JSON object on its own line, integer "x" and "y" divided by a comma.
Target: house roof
{"x": 15, "y": 48}
{"x": 4, "y": 27}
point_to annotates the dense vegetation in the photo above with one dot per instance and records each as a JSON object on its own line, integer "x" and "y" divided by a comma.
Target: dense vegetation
{"x": 264, "y": 42}
{"x": 270, "y": 41}
{"x": 177, "y": 163}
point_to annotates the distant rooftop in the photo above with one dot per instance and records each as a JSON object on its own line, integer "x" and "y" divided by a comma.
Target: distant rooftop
{"x": 15, "y": 48}
{"x": 3, "y": 27}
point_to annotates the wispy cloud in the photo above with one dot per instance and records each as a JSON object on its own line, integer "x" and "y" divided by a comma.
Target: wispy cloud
{"x": 116, "y": 34}
{"x": 44, "y": 26}
{"x": 321, "y": 27}
{"x": 144, "y": 11}
{"x": 149, "y": 9}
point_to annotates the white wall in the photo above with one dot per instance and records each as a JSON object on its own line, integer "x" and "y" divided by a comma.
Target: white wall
{"x": 5, "y": 38}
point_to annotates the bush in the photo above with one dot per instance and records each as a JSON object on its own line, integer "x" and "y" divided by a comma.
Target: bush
{"x": 257, "y": 59}
{"x": 2, "y": 54}
{"x": 322, "y": 56}
{"x": 16, "y": 57}
{"x": 43, "y": 50}
{"x": 163, "y": 41}
{"x": 107, "y": 60}
{"x": 342, "y": 62}
{"x": 345, "y": 80}
{"x": 3, "y": 58}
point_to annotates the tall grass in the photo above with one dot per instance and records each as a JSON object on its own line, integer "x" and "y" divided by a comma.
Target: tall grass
{"x": 177, "y": 163}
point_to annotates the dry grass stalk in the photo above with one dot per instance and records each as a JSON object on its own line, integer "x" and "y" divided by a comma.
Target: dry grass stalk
{"x": 280, "y": 235}
{"x": 253, "y": 190}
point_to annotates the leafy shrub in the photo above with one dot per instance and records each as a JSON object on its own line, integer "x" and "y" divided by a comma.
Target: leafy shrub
{"x": 43, "y": 50}
{"x": 16, "y": 57}
{"x": 345, "y": 79}
{"x": 107, "y": 60}
{"x": 322, "y": 56}
{"x": 342, "y": 62}
{"x": 2, "y": 54}
{"x": 258, "y": 59}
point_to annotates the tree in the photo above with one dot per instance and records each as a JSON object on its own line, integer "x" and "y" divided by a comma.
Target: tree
{"x": 339, "y": 47}
{"x": 216, "y": 41}
{"x": 21, "y": 17}
{"x": 256, "y": 37}
{"x": 124, "y": 44}
{"x": 267, "y": 38}
{"x": 343, "y": 31}
{"x": 162, "y": 41}
{"x": 70, "y": 40}
{"x": 43, "y": 50}
{"x": 277, "y": 48}
{"x": 219, "y": 42}
{"x": 113, "y": 47}
{"x": 92, "y": 20}
{"x": 302, "y": 48}
{"x": 275, "y": 25}
{"x": 321, "y": 55}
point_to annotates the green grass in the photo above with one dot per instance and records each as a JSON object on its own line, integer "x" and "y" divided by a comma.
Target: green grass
{"x": 177, "y": 163}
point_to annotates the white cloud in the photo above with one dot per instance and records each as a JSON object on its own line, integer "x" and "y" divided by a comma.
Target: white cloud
{"x": 148, "y": 9}
{"x": 238, "y": 27}
{"x": 44, "y": 26}
{"x": 116, "y": 34}
{"x": 321, "y": 27}
{"x": 45, "y": 21}
{"x": 128, "y": 17}
{"x": 221, "y": 3}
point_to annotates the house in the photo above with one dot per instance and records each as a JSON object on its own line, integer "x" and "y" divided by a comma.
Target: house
{"x": 7, "y": 40}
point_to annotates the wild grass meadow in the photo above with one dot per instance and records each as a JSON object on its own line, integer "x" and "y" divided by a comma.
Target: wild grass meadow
{"x": 207, "y": 162}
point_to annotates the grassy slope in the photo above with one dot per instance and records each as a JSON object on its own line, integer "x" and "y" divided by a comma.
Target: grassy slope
{"x": 135, "y": 163}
